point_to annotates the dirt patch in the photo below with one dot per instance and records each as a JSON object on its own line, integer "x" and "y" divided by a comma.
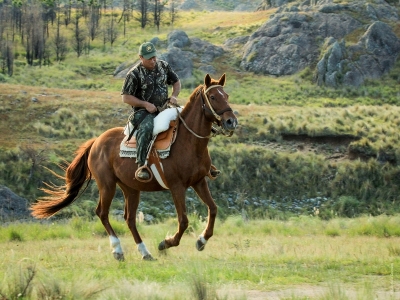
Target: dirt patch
{"x": 332, "y": 147}
{"x": 313, "y": 292}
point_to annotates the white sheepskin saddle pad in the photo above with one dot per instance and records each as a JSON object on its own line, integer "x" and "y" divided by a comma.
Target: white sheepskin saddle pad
{"x": 161, "y": 124}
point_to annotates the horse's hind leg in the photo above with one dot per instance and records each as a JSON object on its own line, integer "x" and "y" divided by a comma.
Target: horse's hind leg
{"x": 203, "y": 192}
{"x": 107, "y": 193}
{"x": 131, "y": 205}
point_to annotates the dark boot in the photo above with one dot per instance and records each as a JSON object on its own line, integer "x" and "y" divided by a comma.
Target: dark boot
{"x": 142, "y": 173}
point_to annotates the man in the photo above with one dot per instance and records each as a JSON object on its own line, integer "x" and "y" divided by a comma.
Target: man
{"x": 146, "y": 88}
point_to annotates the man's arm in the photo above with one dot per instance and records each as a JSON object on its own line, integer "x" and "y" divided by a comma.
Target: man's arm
{"x": 176, "y": 89}
{"x": 136, "y": 102}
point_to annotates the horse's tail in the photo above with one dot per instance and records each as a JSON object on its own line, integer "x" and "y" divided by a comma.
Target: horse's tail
{"x": 60, "y": 197}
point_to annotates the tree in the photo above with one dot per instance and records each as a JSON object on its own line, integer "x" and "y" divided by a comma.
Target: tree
{"x": 60, "y": 43}
{"x": 112, "y": 31}
{"x": 34, "y": 156}
{"x": 143, "y": 9}
{"x": 172, "y": 11}
{"x": 158, "y": 9}
{"x": 126, "y": 13}
{"x": 34, "y": 35}
{"x": 93, "y": 20}
{"x": 67, "y": 13}
{"x": 7, "y": 57}
{"x": 79, "y": 36}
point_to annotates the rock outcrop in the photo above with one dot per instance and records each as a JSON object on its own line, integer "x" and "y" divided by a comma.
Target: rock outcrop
{"x": 371, "y": 58}
{"x": 12, "y": 206}
{"x": 182, "y": 53}
{"x": 298, "y": 35}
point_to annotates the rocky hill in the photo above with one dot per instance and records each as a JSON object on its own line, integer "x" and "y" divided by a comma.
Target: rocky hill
{"x": 344, "y": 43}
{"x": 341, "y": 43}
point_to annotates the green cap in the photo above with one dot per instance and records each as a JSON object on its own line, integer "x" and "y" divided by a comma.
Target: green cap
{"x": 147, "y": 50}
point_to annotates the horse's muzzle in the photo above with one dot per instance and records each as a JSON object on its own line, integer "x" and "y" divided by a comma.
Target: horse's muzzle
{"x": 230, "y": 124}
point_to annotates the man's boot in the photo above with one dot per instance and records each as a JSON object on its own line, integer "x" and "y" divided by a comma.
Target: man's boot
{"x": 142, "y": 173}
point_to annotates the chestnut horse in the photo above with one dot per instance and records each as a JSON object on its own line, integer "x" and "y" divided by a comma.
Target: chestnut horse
{"x": 187, "y": 166}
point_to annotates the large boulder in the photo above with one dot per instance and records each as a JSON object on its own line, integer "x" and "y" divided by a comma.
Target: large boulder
{"x": 180, "y": 61}
{"x": 373, "y": 56}
{"x": 288, "y": 42}
{"x": 295, "y": 38}
{"x": 12, "y": 206}
{"x": 189, "y": 5}
{"x": 182, "y": 53}
{"x": 178, "y": 39}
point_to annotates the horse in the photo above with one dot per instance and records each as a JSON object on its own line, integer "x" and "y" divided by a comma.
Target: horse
{"x": 187, "y": 166}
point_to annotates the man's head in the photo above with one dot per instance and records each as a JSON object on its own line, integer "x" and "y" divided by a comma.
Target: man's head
{"x": 147, "y": 50}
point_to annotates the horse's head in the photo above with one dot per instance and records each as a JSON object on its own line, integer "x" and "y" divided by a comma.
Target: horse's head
{"x": 215, "y": 104}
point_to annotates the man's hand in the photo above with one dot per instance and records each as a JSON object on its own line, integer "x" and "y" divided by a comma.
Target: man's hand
{"x": 173, "y": 100}
{"x": 150, "y": 107}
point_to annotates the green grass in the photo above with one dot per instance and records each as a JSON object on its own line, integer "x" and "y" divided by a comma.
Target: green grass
{"x": 261, "y": 255}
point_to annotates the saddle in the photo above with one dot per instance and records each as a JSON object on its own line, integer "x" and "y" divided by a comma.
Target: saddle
{"x": 159, "y": 148}
{"x": 163, "y": 141}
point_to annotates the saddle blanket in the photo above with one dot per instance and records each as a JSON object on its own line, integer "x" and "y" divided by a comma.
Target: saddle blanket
{"x": 161, "y": 124}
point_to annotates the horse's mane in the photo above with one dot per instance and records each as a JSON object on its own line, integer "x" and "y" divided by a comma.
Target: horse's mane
{"x": 190, "y": 102}
{"x": 193, "y": 95}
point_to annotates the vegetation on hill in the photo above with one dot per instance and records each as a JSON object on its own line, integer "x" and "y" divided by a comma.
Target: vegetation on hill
{"x": 299, "y": 149}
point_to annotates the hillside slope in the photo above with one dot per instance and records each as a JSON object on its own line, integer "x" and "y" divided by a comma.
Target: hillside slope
{"x": 298, "y": 147}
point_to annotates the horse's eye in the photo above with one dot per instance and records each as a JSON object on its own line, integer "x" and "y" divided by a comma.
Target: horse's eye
{"x": 212, "y": 98}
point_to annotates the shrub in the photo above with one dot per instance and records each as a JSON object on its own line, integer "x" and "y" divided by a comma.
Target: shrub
{"x": 347, "y": 206}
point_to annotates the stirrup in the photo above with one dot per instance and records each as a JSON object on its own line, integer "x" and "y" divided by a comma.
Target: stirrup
{"x": 143, "y": 169}
{"x": 213, "y": 173}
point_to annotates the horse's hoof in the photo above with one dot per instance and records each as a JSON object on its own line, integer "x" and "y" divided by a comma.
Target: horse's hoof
{"x": 148, "y": 257}
{"x": 162, "y": 246}
{"x": 200, "y": 245}
{"x": 119, "y": 256}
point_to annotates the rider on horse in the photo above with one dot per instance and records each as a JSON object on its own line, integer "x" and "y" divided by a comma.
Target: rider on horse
{"x": 146, "y": 88}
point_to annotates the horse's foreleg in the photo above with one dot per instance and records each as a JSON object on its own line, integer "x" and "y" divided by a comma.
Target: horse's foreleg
{"x": 178, "y": 194}
{"x": 102, "y": 211}
{"x": 131, "y": 205}
{"x": 203, "y": 192}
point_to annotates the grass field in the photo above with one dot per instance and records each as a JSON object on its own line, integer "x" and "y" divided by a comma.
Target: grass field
{"x": 302, "y": 258}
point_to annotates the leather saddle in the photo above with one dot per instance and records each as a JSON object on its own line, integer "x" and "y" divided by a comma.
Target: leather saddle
{"x": 163, "y": 140}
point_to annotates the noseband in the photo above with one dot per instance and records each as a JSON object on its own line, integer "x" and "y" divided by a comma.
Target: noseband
{"x": 217, "y": 115}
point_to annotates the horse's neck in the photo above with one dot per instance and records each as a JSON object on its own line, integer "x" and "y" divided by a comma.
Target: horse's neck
{"x": 194, "y": 117}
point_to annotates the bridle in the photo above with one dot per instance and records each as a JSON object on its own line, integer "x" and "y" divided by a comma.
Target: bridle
{"x": 210, "y": 108}
{"x": 215, "y": 130}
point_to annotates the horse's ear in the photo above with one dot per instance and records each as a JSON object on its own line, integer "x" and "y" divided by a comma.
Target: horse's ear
{"x": 207, "y": 80}
{"x": 222, "y": 80}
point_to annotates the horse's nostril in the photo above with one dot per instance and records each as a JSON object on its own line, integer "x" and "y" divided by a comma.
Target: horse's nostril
{"x": 231, "y": 123}
{"x": 235, "y": 123}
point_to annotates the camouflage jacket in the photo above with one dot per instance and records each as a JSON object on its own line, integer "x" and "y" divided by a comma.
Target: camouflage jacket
{"x": 151, "y": 86}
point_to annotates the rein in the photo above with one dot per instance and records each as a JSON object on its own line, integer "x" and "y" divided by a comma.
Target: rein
{"x": 215, "y": 131}
{"x": 190, "y": 130}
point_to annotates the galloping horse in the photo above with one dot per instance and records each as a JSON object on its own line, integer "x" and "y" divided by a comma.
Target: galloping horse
{"x": 187, "y": 166}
